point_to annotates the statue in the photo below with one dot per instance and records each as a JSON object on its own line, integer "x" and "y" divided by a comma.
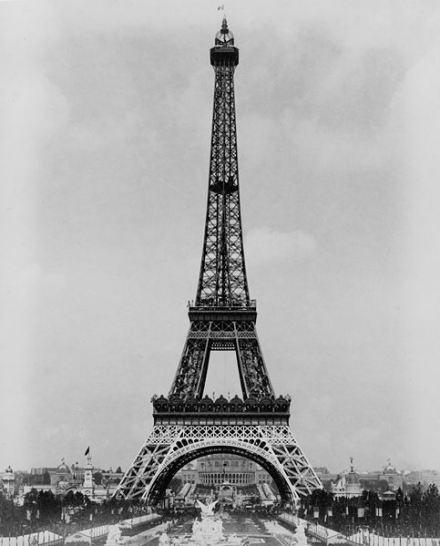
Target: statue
{"x": 207, "y": 532}
{"x": 300, "y": 534}
{"x": 210, "y": 529}
{"x": 207, "y": 510}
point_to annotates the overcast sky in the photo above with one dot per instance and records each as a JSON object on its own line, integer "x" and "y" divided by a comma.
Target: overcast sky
{"x": 106, "y": 112}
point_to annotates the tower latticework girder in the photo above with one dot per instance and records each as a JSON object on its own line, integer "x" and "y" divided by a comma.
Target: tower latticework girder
{"x": 188, "y": 424}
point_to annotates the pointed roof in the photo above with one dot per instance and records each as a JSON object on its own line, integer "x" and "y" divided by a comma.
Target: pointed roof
{"x": 63, "y": 466}
{"x": 224, "y": 36}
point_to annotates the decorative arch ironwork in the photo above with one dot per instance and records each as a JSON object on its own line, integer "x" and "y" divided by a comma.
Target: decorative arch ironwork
{"x": 170, "y": 446}
{"x": 159, "y": 486}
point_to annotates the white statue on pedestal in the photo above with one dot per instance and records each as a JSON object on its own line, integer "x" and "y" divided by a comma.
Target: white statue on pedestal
{"x": 300, "y": 534}
{"x": 207, "y": 510}
{"x": 208, "y": 531}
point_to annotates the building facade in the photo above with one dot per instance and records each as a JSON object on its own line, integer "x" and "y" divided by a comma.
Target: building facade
{"x": 348, "y": 484}
{"x": 95, "y": 483}
{"x": 8, "y": 482}
{"x": 393, "y": 477}
{"x": 223, "y": 468}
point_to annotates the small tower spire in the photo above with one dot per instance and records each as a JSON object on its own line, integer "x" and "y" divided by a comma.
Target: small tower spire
{"x": 88, "y": 483}
{"x": 224, "y": 36}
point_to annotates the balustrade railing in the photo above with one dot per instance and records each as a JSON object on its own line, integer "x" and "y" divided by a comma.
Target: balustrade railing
{"x": 162, "y": 404}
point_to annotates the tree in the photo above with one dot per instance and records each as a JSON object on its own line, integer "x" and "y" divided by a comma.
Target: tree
{"x": 399, "y": 497}
{"x": 68, "y": 499}
{"x": 78, "y": 499}
{"x": 431, "y": 508}
{"x": 415, "y": 505}
{"x": 8, "y": 515}
{"x": 175, "y": 484}
{"x": 31, "y": 498}
{"x": 49, "y": 506}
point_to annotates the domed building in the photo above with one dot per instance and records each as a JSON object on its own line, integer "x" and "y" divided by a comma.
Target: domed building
{"x": 216, "y": 469}
{"x": 60, "y": 475}
{"x": 392, "y": 476}
{"x": 348, "y": 484}
{"x": 7, "y": 481}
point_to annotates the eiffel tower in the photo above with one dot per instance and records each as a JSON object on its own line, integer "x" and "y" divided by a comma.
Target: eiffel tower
{"x": 187, "y": 423}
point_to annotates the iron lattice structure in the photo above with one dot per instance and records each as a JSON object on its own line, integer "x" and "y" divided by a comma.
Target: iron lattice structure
{"x": 187, "y": 424}
{"x": 168, "y": 448}
{"x": 222, "y": 280}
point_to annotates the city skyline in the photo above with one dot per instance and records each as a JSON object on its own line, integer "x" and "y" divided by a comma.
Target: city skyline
{"x": 107, "y": 125}
{"x": 350, "y": 464}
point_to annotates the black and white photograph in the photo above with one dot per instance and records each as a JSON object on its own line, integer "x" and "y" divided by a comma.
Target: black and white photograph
{"x": 220, "y": 273}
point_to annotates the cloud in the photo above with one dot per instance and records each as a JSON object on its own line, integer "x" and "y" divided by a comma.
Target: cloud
{"x": 266, "y": 246}
{"x": 420, "y": 297}
{"x": 106, "y": 133}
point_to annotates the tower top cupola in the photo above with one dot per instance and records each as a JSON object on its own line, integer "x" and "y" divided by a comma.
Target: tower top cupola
{"x": 224, "y": 53}
{"x": 224, "y": 36}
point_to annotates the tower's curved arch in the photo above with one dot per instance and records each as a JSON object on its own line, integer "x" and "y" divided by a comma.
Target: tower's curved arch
{"x": 181, "y": 457}
{"x": 168, "y": 448}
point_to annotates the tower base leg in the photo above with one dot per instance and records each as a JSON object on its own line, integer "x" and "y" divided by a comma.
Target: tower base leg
{"x": 169, "y": 447}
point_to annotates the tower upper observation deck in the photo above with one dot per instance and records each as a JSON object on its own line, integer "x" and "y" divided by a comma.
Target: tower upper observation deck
{"x": 224, "y": 53}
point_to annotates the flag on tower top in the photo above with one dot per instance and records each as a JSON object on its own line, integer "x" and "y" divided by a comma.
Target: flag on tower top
{"x": 87, "y": 451}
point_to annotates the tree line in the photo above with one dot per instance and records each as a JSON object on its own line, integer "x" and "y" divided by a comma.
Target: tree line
{"x": 414, "y": 513}
{"x": 60, "y": 513}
